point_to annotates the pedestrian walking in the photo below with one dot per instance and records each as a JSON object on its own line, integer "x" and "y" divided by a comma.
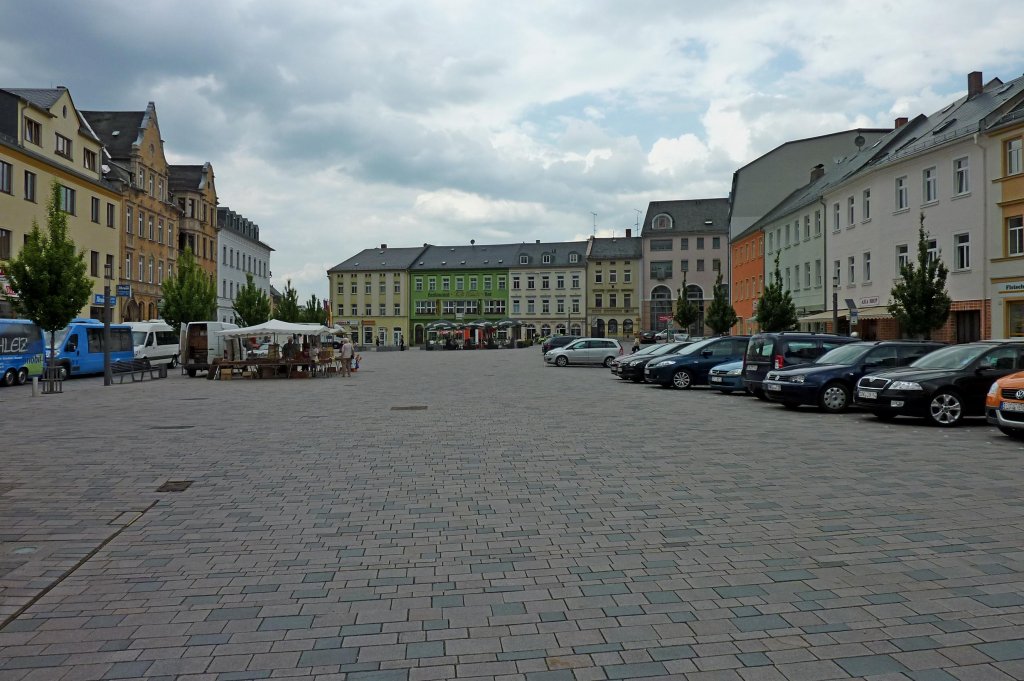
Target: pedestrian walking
{"x": 636, "y": 344}
{"x": 347, "y": 351}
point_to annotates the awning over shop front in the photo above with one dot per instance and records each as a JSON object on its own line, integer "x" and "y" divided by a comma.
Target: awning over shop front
{"x": 825, "y": 316}
{"x": 876, "y": 312}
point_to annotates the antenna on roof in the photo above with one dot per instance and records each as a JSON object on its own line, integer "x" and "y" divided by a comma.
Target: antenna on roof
{"x": 595, "y": 222}
{"x": 637, "y": 211}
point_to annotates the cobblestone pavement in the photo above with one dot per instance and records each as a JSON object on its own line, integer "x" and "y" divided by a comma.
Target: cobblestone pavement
{"x": 476, "y": 515}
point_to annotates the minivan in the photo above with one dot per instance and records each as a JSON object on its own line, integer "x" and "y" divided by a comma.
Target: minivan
{"x": 780, "y": 349}
{"x": 200, "y": 344}
{"x": 585, "y": 351}
{"x": 21, "y": 351}
{"x": 156, "y": 341}
{"x": 78, "y": 347}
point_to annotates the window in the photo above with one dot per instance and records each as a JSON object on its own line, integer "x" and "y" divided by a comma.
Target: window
{"x": 367, "y": 288}
{"x": 5, "y": 244}
{"x": 627, "y": 276}
{"x": 355, "y": 309}
{"x": 368, "y": 308}
{"x": 661, "y": 269}
{"x": 661, "y": 222}
{"x": 545, "y": 282}
{"x": 560, "y": 306}
{"x": 865, "y": 204}
{"x": 128, "y": 267}
{"x": 574, "y": 258}
{"x": 817, "y": 223}
{"x": 598, "y": 300}
{"x": 771, "y": 241}
{"x": 94, "y": 264}
{"x": 63, "y": 146}
{"x": 807, "y": 228}
{"x": 849, "y": 212}
{"x": 684, "y": 265}
{"x": 933, "y": 249}
{"x": 94, "y": 209}
{"x": 807, "y": 275}
{"x": 487, "y": 283}
{"x": 142, "y": 224}
{"x": 598, "y": 277}
{"x": 684, "y": 244}
{"x": 524, "y": 260}
{"x": 835, "y": 217}
{"x": 716, "y": 265}
{"x": 613, "y": 277}
{"x": 929, "y": 185}
{"x": 501, "y": 284}
{"x": 6, "y": 173}
{"x": 382, "y": 286}
{"x": 867, "y": 267}
{"x": 89, "y": 160}
{"x": 398, "y": 284}
{"x": 160, "y": 231}
{"x": 150, "y": 269}
{"x": 902, "y": 202}
{"x": 530, "y": 282}
{"x": 110, "y": 214}
{"x": 836, "y": 272}
{"x": 1013, "y": 156}
{"x": 627, "y": 300}
{"x": 355, "y": 288}
{"x": 716, "y": 242}
{"x": 817, "y": 273}
{"x": 545, "y": 306}
{"x": 30, "y": 186}
{"x": 1015, "y": 235}
{"x": 961, "y": 176}
{"x": 700, "y": 243}
{"x": 787, "y": 235}
{"x": 963, "y": 251}
{"x": 546, "y": 258}
{"x": 446, "y": 284}
{"x": 398, "y": 310}
{"x": 382, "y": 309}
{"x": 67, "y": 199}
{"x": 575, "y": 281}
{"x": 160, "y": 272}
{"x": 700, "y": 264}
{"x": 531, "y": 306}
{"x": 789, "y": 279}
{"x": 33, "y": 132}
{"x": 902, "y": 257}
{"x": 661, "y": 244}
{"x": 559, "y": 281}
{"x": 515, "y": 306}
{"x": 851, "y": 269}
{"x": 515, "y": 282}
{"x": 613, "y": 300}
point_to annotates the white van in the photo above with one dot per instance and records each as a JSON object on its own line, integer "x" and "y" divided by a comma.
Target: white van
{"x": 156, "y": 341}
{"x": 201, "y": 344}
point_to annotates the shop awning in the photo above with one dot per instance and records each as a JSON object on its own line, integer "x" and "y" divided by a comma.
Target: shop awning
{"x": 876, "y": 312}
{"x": 825, "y": 316}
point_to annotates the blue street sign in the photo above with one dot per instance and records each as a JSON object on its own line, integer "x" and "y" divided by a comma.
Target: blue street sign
{"x": 124, "y": 290}
{"x": 97, "y": 299}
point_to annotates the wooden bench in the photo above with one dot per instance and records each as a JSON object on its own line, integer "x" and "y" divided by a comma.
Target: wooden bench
{"x": 137, "y": 367}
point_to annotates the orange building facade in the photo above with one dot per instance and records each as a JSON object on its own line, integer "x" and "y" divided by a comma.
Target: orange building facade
{"x": 747, "y": 279}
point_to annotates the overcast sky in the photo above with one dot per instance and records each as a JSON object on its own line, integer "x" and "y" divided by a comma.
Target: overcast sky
{"x": 338, "y": 126}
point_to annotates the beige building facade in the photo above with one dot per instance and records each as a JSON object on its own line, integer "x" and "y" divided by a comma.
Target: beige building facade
{"x": 194, "y": 192}
{"x": 613, "y": 287}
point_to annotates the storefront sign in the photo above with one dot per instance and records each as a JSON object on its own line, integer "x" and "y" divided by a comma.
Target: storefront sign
{"x": 1011, "y": 287}
{"x": 6, "y": 289}
{"x": 869, "y": 301}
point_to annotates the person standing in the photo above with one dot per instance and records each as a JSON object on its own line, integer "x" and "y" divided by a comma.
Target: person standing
{"x": 636, "y": 343}
{"x": 347, "y": 351}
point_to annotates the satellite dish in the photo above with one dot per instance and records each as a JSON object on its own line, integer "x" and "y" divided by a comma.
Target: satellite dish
{"x": 859, "y": 141}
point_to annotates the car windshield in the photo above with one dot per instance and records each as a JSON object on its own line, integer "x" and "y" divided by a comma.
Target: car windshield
{"x": 647, "y": 350}
{"x": 138, "y": 337}
{"x": 760, "y": 347}
{"x": 56, "y": 337}
{"x": 695, "y": 348}
{"x": 953, "y": 357}
{"x": 846, "y": 354}
{"x": 666, "y": 349}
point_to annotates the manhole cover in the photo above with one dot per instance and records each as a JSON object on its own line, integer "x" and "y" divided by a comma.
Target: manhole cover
{"x": 174, "y": 486}
{"x": 414, "y": 407}
{"x": 171, "y": 427}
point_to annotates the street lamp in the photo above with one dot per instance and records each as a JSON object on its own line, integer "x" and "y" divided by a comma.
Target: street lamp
{"x": 835, "y": 304}
{"x": 108, "y": 275}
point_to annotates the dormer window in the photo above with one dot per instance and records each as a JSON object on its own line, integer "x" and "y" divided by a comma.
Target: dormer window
{"x": 661, "y": 222}
{"x": 547, "y": 258}
{"x": 574, "y": 258}
{"x": 524, "y": 260}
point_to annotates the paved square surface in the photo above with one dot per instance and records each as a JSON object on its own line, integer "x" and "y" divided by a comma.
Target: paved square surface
{"x": 477, "y": 515}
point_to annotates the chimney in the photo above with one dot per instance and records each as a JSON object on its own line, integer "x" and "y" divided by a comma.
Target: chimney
{"x": 383, "y": 246}
{"x": 974, "y": 84}
{"x": 900, "y": 122}
{"x": 629, "y": 232}
{"x": 817, "y": 171}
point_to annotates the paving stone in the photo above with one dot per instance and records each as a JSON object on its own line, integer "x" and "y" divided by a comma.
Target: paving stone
{"x": 870, "y": 665}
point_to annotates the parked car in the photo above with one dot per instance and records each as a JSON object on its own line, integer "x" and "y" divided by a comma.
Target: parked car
{"x": 552, "y": 342}
{"x": 631, "y": 367}
{"x": 727, "y": 377}
{"x": 830, "y": 380}
{"x": 585, "y": 351}
{"x": 767, "y": 351}
{"x": 1004, "y": 405}
{"x": 693, "y": 363}
{"x": 647, "y": 336}
{"x": 943, "y": 386}
{"x": 614, "y": 366}
{"x": 672, "y": 335}
{"x": 156, "y": 341}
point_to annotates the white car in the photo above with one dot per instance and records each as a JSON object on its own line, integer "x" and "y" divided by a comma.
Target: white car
{"x": 585, "y": 351}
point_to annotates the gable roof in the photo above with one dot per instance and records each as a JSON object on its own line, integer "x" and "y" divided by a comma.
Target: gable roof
{"x": 559, "y": 252}
{"x": 688, "y": 216}
{"x": 486, "y": 256}
{"x": 188, "y": 178}
{"x": 371, "y": 259}
{"x": 118, "y": 130}
{"x": 616, "y": 247}
{"x": 44, "y": 98}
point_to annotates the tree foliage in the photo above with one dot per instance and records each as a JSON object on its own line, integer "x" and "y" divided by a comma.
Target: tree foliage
{"x": 48, "y": 276}
{"x": 775, "y": 309}
{"x": 720, "y": 315}
{"x": 919, "y": 300}
{"x": 190, "y": 295}
{"x": 252, "y": 304}
{"x": 288, "y": 309}
{"x": 313, "y": 311}
{"x": 687, "y": 311}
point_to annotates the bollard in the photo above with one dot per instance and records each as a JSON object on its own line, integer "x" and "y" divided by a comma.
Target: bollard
{"x": 35, "y": 386}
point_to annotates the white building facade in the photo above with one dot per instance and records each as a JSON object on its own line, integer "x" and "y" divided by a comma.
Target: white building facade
{"x": 241, "y": 253}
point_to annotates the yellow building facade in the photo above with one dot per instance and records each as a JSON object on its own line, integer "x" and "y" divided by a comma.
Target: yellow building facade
{"x": 194, "y": 192}
{"x": 44, "y": 139}
{"x": 1005, "y": 230}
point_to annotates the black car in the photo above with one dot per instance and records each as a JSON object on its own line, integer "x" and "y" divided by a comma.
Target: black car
{"x": 943, "y": 386}
{"x": 767, "y": 351}
{"x": 830, "y": 381}
{"x": 648, "y": 336}
{"x": 631, "y": 367}
{"x": 556, "y": 342}
{"x": 614, "y": 366}
{"x": 691, "y": 365}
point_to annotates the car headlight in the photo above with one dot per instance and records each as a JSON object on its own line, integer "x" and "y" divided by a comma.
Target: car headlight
{"x": 664, "y": 363}
{"x": 734, "y": 372}
{"x": 993, "y": 390}
{"x": 905, "y": 385}
{"x": 771, "y": 377}
{"x": 633, "y": 364}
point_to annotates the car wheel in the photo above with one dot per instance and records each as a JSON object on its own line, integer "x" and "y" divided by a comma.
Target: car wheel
{"x": 10, "y": 378}
{"x": 1015, "y": 433}
{"x": 173, "y": 363}
{"x": 22, "y": 376}
{"x": 759, "y": 394}
{"x": 834, "y": 398}
{"x": 561, "y": 360}
{"x": 682, "y": 379}
{"x": 792, "y": 406}
{"x": 946, "y": 409}
{"x": 63, "y": 371}
{"x": 608, "y": 361}
{"x": 191, "y": 373}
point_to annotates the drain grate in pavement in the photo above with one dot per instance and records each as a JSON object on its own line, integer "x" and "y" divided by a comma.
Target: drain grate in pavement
{"x": 174, "y": 486}
{"x": 413, "y": 407}
{"x": 171, "y": 427}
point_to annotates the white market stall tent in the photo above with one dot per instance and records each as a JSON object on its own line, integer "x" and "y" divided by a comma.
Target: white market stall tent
{"x": 309, "y": 360}
{"x": 276, "y": 327}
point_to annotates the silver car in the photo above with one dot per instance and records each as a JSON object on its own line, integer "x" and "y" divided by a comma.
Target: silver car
{"x": 585, "y": 351}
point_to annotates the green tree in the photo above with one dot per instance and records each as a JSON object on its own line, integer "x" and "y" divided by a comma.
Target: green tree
{"x": 919, "y": 300}
{"x": 687, "y": 311}
{"x": 288, "y": 309}
{"x": 775, "y": 309}
{"x": 252, "y": 304}
{"x": 720, "y": 315}
{"x": 48, "y": 276}
{"x": 190, "y": 295}
{"x": 313, "y": 311}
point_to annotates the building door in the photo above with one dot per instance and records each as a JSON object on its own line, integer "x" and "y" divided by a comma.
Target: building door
{"x": 968, "y": 326}
{"x": 661, "y": 308}
{"x": 418, "y": 333}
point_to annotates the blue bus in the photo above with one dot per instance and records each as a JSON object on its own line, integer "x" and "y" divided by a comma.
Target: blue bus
{"x": 78, "y": 347}
{"x": 21, "y": 351}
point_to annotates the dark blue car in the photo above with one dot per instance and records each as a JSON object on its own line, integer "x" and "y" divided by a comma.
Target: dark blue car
{"x": 830, "y": 380}
{"x": 693, "y": 363}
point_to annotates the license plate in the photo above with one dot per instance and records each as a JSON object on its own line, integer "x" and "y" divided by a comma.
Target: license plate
{"x": 716, "y": 379}
{"x": 1012, "y": 406}
{"x": 772, "y": 387}
{"x": 868, "y": 394}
